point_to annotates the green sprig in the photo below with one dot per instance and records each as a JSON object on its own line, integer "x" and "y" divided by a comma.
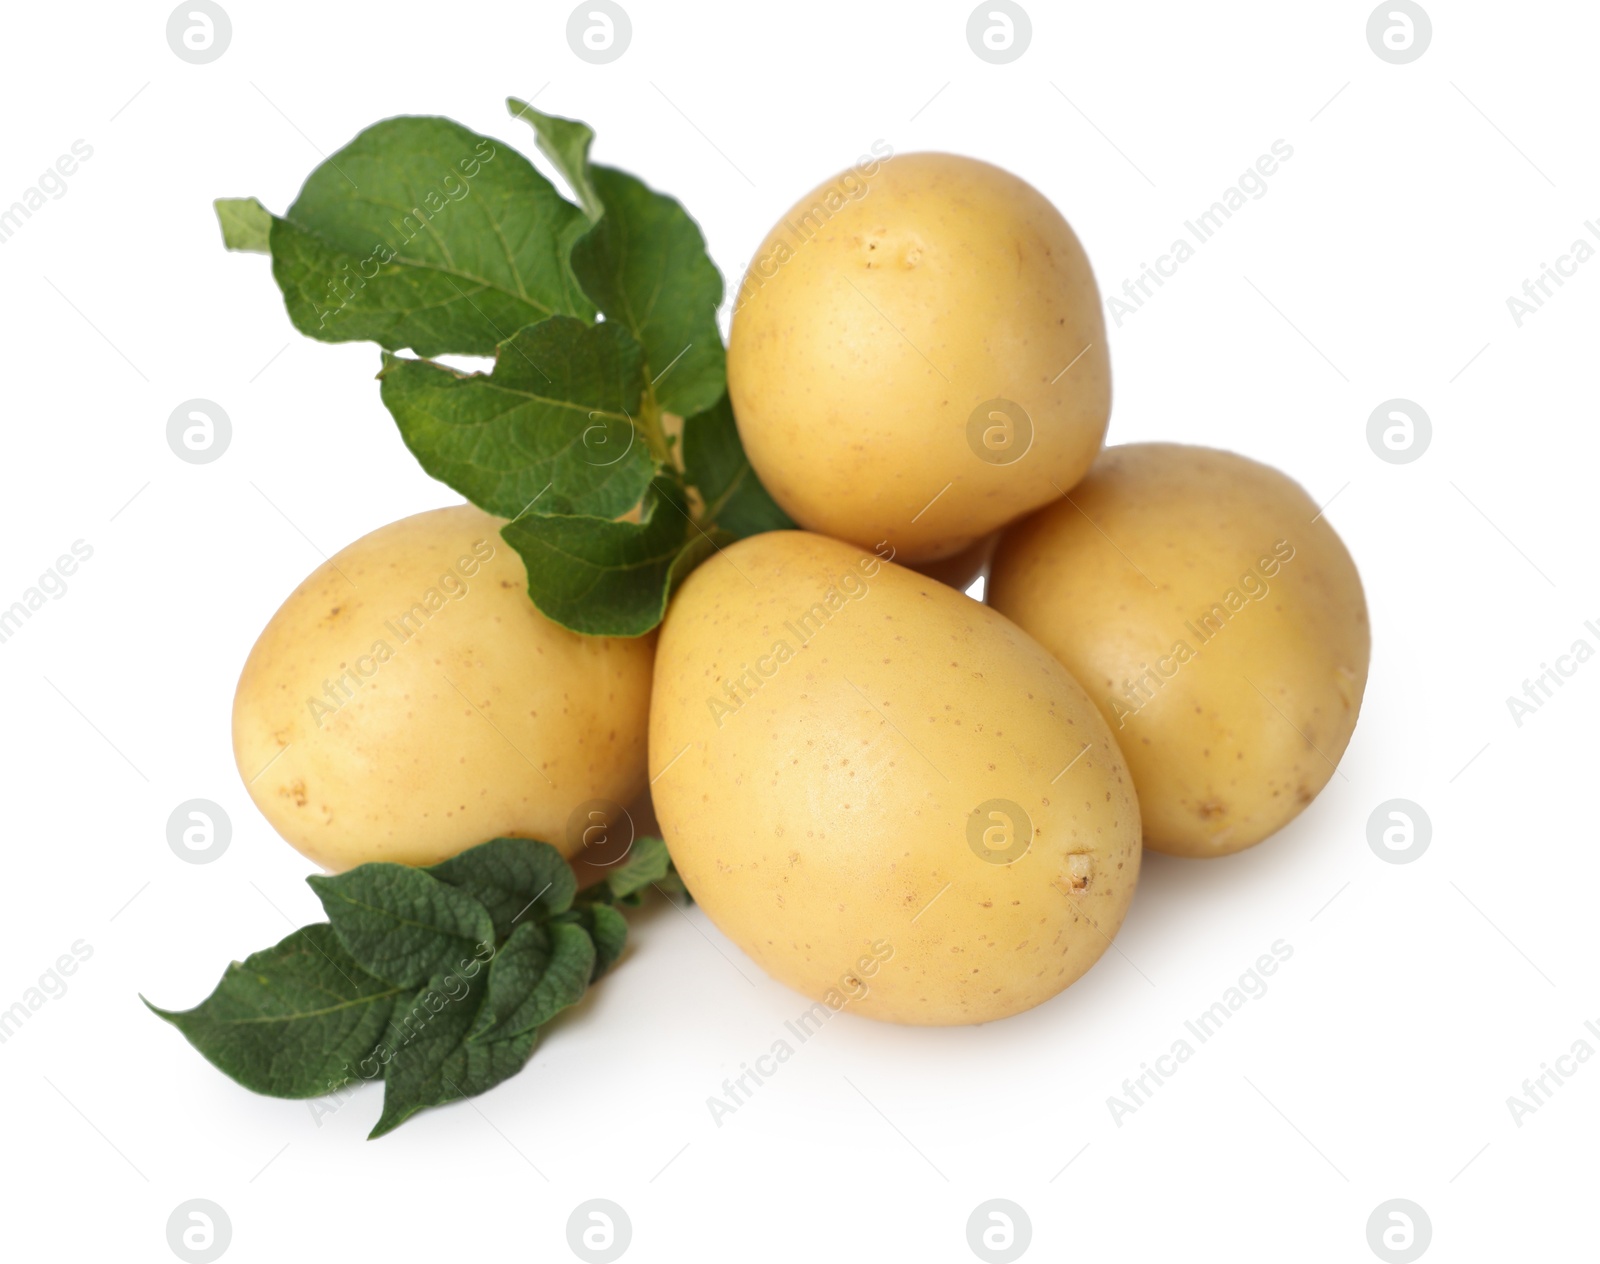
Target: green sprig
{"x": 436, "y": 981}
{"x": 426, "y": 237}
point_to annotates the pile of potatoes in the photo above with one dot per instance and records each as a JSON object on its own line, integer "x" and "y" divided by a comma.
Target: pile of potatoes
{"x": 889, "y": 795}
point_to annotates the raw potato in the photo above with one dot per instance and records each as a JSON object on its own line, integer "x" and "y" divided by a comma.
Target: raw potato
{"x": 879, "y": 315}
{"x": 1217, "y": 621}
{"x": 408, "y": 701}
{"x": 821, "y": 744}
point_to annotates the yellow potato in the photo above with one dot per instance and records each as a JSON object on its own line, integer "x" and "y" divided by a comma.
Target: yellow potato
{"x": 1217, "y": 621}
{"x": 408, "y": 701}
{"x": 888, "y": 795}
{"x": 899, "y": 356}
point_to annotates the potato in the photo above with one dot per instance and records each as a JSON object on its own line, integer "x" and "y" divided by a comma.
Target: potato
{"x": 408, "y": 701}
{"x": 1217, "y": 621}
{"x": 918, "y": 356}
{"x": 888, "y": 795}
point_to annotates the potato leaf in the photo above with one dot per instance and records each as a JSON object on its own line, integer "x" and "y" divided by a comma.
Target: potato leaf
{"x": 646, "y": 864}
{"x": 246, "y": 224}
{"x": 421, "y": 233}
{"x": 312, "y": 1014}
{"x": 716, "y": 464}
{"x": 552, "y": 426}
{"x": 514, "y": 878}
{"x": 608, "y": 578}
{"x": 291, "y": 1020}
{"x": 534, "y": 976}
{"x": 427, "y": 1058}
{"x": 565, "y": 142}
{"x": 400, "y": 923}
{"x": 609, "y": 930}
{"x": 424, "y": 234}
{"x": 645, "y": 265}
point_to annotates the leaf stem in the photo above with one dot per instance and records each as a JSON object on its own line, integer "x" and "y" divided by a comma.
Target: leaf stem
{"x": 649, "y": 424}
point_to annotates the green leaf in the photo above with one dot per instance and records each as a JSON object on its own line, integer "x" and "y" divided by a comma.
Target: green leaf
{"x": 552, "y": 424}
{"x": 606, "y": 578}
{"x": 565, "y": 142}
{"x": 646, "y": 864}
{"x": 715, "y": 462}
{"x": 246, "y": 224}
{"x": 673, "y": 890}
{"x": 400, "y": 923}
{"x": 292, "y": 1020}
{"x": 514, "y": 878}
{"x": 427, "y": 1058}
{"x": 645, "y": 265}
{"x": 609, "y": 930}
{"x": 537, "y": 973}
{"x": 423, "y": 234}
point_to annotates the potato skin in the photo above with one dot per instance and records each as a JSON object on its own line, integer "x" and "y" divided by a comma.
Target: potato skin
{"x": 865, "y": 337}
{"x": 820, "y": 811}
{"x": 1232, "y": 710}
{"x": 408, "y": 701}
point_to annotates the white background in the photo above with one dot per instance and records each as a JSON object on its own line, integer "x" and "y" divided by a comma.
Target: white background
{"x": 1418, "y": 997}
